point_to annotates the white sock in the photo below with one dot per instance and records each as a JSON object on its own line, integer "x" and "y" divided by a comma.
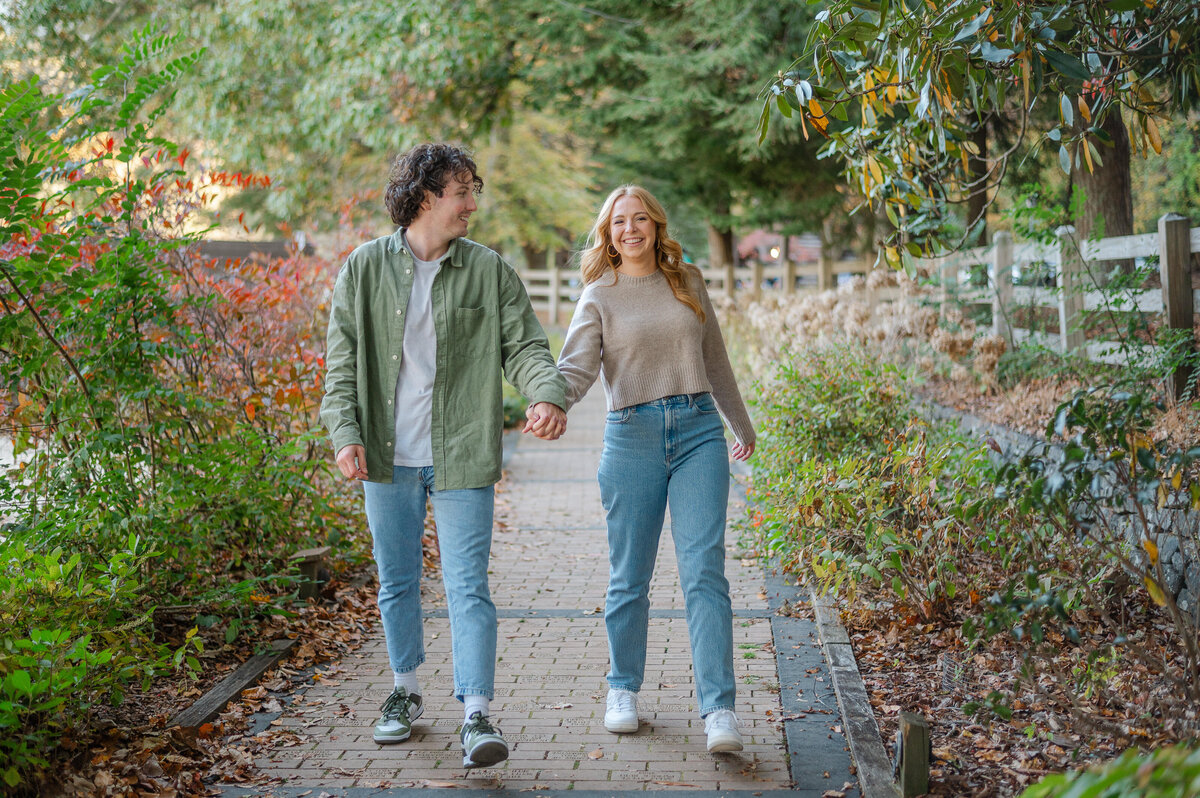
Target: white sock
{"x": 475, "y": 703}
{"x": 408, "y": 681}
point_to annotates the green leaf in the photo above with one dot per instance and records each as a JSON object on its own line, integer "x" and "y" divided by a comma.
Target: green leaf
{"x": 784, "y": 108}
{"x": 973, "y": 26}
{"x": 21, "y": 680}
{"x": 1066, "y": 65}
{"x": 1064, "y": 159}
{"x": 994, "y": 54}
{"x": 1067, "y": 108}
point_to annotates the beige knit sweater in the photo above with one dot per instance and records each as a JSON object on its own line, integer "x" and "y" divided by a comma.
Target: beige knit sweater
{"x": 645, "y": 344}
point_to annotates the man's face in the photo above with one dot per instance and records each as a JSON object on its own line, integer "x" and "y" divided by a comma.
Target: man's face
{"x": 450, "y": 212}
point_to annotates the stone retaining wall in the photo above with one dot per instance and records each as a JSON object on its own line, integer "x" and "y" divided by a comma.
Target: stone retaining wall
{"x": 1176, "y": 527}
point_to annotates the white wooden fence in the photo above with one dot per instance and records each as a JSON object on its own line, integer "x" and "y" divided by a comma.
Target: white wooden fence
{"x": 1075, "y": 292}
{"x": 554, "y": 291}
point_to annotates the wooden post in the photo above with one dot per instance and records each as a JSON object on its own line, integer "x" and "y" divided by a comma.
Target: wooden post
{"x": 554, "y": 292}
{"x": 789, "y": 268}
{"x": 948, "y": 277}
{"x": 310, "y": 562}
{"x": 1002, "y": 258}
{"x": 914, "y": 754}
{"x": 756, "y": 277}
{"x": 1174, "y": 266}
{"x": 1071, "y": 284}
{"x": 730, "y": 280}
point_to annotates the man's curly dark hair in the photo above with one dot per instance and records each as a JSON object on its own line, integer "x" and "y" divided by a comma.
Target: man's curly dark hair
{"x": 426, "y": 167}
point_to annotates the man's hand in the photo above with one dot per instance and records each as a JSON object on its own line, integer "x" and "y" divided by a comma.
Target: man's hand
{"x": 352, "y": 461}
{"x": 742, "y": 451}
{"x": 545, "y": 421}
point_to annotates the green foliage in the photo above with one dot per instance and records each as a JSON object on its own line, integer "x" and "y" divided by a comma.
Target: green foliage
{"x": 74, "y": 633}
{"x": 1087, "y": 515}
{"x": 1166, "y": 773}
{"x": 902, "y": 89}
{"x": 162, "y": 408}
{"x": 848, "y": 487}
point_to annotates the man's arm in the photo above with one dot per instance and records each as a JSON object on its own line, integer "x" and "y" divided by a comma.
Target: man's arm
{"x": 524, "y": 350}
{"x": 339, "y": 409}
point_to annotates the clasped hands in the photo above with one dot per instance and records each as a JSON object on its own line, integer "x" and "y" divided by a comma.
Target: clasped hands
{"x": 545, "y": 421}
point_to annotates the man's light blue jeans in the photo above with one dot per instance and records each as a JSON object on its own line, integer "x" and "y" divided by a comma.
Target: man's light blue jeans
{"x": 669, "y": 452}
{"x": 396, "y": 514}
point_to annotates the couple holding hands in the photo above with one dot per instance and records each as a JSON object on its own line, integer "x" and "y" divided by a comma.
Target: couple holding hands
{"x": 423, "y": 323}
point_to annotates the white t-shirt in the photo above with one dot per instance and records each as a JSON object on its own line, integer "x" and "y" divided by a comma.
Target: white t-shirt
{"x": 418, "y": 365}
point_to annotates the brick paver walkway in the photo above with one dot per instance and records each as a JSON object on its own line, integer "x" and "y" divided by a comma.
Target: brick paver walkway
{"x": 549, "y": 573}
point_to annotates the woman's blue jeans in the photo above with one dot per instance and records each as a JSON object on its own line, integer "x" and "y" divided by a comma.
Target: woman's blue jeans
{"x": 669, "y": 452}
{"x": 396, "y": 514}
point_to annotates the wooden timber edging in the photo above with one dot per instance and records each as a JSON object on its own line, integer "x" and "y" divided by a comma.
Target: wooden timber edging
{"x": 209, "y": 705}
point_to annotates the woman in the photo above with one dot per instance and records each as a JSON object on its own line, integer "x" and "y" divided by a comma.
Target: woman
{"x": 645, "y": 326}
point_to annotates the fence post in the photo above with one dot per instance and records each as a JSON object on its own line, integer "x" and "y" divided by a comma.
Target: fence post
{"x": 1070, "y": 291}
{"x": 554, "y": 292}
{"x": 948, "y": 277}
{"x": 756, "y": 277}
{"x": 1174, "y": 266}
{"x": 1002, "y": 258}
{"x": 824, "y": 270}
{"x": 789, "y": 268}
{"x": 730, "y": 280}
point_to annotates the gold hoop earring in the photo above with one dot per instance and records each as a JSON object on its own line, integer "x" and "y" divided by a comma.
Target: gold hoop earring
{"x": 612, "y": 252}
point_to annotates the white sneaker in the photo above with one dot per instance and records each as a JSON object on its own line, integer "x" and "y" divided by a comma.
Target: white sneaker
{"x": 723, "y": 733}
{"x": 621, "y": 715}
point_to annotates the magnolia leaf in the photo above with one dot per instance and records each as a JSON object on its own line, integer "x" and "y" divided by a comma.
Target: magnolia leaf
{"x": 994, "y": 54}
{"x": 972, "y": 27}
{"x": 1066, "y": 65}
{"x": 1067, "y": 110}
{"x": 1084, "y": 110}
{"x": 1155, "y": 136}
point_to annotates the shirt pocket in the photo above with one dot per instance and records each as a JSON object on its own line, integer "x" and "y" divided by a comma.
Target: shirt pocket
{"x": 474, "y": 332}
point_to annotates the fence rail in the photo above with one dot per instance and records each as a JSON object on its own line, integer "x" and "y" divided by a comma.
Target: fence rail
{"x": 554, "y": 291}
{"x": 1075, "y": 292}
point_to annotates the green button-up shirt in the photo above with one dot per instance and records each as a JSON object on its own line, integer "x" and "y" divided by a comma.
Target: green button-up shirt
{"x": 484, "y": 325}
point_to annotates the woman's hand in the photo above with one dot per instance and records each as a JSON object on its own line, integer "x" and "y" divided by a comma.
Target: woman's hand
{"x": 545, "y": 421}
{"x": 742, "y": 451}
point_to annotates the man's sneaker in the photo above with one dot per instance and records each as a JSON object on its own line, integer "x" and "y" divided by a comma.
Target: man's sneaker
{"x": 399, "y": 711}
{"x": 621, "y": 716}
{"x": 723, "y": 733}
{"x": 482, "y": 742}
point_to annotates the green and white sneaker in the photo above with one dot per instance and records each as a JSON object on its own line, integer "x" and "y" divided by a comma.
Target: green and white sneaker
{"x": 482, "y": 742}
{"x": 399, "y": 711}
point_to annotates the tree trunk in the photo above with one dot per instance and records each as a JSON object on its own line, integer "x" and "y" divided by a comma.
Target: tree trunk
{"x": 535, "y": 257}
{"x": 977, "y": 200}
{"x": 1107, "y": 195}
{"x": 720, "y": 248}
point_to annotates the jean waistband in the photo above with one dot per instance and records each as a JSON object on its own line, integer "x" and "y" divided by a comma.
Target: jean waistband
{"x": 688, "y": 399}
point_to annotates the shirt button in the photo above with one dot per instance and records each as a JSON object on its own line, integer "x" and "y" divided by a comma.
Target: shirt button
{"x": 389, "y": 401}
{"x": 408, "y": 271}
{"x": 395, "y": 357}
{"x": 389, "y": 443}
{"x": 399, "y": 311}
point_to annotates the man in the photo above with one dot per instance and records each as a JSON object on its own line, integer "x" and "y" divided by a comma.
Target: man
{"x": 423, "y": 321}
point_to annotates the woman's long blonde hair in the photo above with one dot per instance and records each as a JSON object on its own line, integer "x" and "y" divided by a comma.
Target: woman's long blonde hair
{"x": 596, "y": 259}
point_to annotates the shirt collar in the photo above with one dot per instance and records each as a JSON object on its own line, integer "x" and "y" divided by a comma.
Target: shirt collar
{"x": 398, "y": 245}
